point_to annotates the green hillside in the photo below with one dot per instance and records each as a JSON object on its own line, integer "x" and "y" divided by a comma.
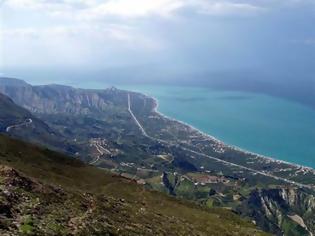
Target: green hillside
{"x": 11, "y": 112}
{"x": 47, "y": 193}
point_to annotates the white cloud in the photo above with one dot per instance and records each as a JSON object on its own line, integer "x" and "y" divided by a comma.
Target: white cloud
{"x": 309, "y": 42}
{"x": 306, "y": 42}
{"x": 86, "y": 27}
{"x": 119, "y": 34}
{"x": 166, "y": 8}
{"x": 135, "y": 8}
{"x": 225, "y": 7}
{"x": 48, "y": 4}
{"x": 74, "y": 45}
{"x": 94, "y": 9}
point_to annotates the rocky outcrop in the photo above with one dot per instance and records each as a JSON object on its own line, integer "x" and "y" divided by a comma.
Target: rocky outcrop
{"x": 284, "y": 211}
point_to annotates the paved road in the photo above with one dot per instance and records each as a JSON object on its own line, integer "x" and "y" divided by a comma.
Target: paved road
{"x": 214, "y": 158}
{"x": 135, "y": 119}
{"x": 25, "y": 123}
{"x": 249, "y": 169}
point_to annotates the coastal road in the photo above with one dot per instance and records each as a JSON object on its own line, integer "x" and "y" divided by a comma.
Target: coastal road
{"x": 135, "y": 119}
{"x": 25, "y": 123}
{"x": 214, "y": 158}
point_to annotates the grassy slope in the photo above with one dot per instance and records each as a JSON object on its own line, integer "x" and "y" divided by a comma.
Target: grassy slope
{"x": 10, "y": 109}
{"x": 113, "y": 205}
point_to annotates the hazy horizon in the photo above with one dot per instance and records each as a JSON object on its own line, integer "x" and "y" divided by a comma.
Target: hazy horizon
{"x": 176, "y": 36}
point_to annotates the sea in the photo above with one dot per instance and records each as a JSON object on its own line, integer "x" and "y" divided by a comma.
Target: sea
{"x": 267, "y": 125}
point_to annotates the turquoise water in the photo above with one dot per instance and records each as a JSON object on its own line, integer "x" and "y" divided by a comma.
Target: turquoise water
{"x": 262, "y": 124}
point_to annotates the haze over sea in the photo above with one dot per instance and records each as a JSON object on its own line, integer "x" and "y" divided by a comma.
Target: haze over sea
{"x": 263, "y": 124}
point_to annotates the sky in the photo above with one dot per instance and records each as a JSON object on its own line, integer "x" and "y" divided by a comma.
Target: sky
{"x": 179, "y": 36}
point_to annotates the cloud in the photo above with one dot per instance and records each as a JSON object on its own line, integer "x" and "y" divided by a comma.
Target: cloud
{"x": 75, "y": 45}
{"x": 123, "y": 35}
{"x": 84, "y": 46}
{"x": 135, "y": 8}
{"x": 129, "y": 29}
{"x": 308, "y": 42}
{"x": 94, "y": 9}
{"x": 223, "y": 8}
{"x": 305, "y": 42}
{"x": 167, "y": 8}
{"x": 48, "y": 4}
{"x": 88, "y": 27}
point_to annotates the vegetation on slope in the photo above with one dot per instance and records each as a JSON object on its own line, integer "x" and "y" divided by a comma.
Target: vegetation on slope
{"x": 47, "y": 193}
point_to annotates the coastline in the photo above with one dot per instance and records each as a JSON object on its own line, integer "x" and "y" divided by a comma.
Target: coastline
{"x": 271, "y": 159}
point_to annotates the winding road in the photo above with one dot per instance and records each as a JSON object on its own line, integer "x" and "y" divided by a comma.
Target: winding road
{"x": 25, "y": 123}
{"x": 214, "y": 158}
{"x": 101, "y": 151}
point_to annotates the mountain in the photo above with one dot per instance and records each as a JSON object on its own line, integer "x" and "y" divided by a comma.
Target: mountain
{"x": 47, "y": 193}
{"x": 123, "y": 132}
{"x": 59, "y": 99}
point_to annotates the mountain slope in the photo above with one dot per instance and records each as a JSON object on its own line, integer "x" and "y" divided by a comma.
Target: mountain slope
{"x": 11, "y": 113}
{"x": 19, "y": 122}
{"x": 47, "y": 193}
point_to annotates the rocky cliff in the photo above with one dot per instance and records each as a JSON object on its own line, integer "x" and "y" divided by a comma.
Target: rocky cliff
{"x": 56, "y": 99}
{"x": 288, "y": 211}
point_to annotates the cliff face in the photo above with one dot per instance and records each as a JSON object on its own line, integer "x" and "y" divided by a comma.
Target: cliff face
{"x": 288, "y": 211}
{"x": 55, "y": 99}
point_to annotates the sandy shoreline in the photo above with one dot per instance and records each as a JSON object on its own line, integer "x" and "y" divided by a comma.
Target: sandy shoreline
{"x": 271, "y": 159}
